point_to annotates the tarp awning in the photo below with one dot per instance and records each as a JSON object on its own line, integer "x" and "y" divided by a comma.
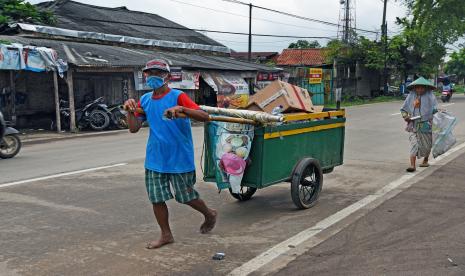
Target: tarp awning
{"x": 31, "y": 58}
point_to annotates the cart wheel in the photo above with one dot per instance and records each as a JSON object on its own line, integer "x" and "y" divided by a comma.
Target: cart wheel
{"x": 306, "y": 184}
{"x": 245, "y": 193}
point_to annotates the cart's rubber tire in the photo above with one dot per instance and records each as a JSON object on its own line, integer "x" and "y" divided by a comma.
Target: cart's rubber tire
{"x": 246, "y": 193}
{"x": 306, "y": 183}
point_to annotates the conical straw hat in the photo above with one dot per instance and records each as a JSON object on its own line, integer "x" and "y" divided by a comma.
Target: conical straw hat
{"x": 421, "y": 82}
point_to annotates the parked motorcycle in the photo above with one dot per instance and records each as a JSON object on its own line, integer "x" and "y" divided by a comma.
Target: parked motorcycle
{"x": 10, "y": 144}
{"x": 446, "y": 93}
{"x": 94, "y": 115}
{"x": 118, "y": 116}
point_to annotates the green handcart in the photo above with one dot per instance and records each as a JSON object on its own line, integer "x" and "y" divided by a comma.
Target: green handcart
{"x": 299, "y": 151}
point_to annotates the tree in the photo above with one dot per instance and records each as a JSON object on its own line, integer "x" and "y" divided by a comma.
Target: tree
{"x": 362, "y": 50}
{"x": 21, "y": 11}
{"x": 428, "y": 27}
{"x": 456, "y": 64}
{"x": 303, "y": 44}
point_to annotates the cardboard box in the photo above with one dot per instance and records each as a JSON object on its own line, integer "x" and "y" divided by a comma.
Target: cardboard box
{"x": 318, "y": 108}
{"x": 278, "y": 93}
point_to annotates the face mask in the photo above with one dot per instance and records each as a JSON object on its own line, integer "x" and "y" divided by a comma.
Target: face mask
{"x": 155, "y": 82}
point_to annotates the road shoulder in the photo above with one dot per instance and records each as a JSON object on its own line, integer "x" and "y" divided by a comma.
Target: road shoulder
{"x": 419, "y": 232}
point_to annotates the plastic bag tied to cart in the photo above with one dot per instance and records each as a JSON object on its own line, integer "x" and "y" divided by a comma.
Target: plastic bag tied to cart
{"x": 230, "y": 146}
{"x": 443, "y": 139}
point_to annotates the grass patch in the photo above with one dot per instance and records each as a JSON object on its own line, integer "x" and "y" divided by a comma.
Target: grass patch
{"x": 459, "y": 88}
{"x": 6, "y": 42}
{"x": 359, "y": 101}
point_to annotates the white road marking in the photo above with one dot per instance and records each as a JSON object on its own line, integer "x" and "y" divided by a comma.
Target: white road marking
{"x": 395, "y": 114}
{"x": 59, "y": 175}
{"x": 282, "y": 248}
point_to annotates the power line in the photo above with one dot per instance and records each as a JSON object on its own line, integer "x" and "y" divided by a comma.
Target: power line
{"x": 296, "y": 16}
{"x": 197, "y": 30}
{"x": 260, "y": 42}
{"x": 254, "y": 18}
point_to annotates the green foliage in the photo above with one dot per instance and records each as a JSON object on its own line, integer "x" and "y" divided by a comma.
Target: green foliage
{"x": 304, "y": 44}
{"x": 361, "y": 49}
{"x": 271, "y": 63}
{"x": 21, "y": 11}
{"x": 420, "y": 47}
{"x": 456, "y": 64}
{"x": 428, "y": 28}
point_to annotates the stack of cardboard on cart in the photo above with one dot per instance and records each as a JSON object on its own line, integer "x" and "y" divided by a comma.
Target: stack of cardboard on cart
{"x": 286, "y": 97}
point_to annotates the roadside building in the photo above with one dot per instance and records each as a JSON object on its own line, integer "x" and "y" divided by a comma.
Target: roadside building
{"x": 105, "y": 49}
{"x": 309, "y": 69}
{"x": 257, "y": 57}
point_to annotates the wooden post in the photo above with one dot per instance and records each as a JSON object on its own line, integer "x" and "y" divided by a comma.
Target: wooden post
{"x": 57, "y": 101}
{"x": 13, "y": 96}
{"x": 72, "y": 111}
{"x": 131, "y": 87}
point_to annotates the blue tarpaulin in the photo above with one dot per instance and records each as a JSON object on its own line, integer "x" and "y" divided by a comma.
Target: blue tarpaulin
{"x": 30, "y": 58}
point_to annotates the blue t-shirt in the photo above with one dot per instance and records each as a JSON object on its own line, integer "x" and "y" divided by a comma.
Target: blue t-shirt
{"x": 169, "y": 147}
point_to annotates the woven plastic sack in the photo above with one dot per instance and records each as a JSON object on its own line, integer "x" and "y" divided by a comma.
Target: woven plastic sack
{"x": 443, "y": 139}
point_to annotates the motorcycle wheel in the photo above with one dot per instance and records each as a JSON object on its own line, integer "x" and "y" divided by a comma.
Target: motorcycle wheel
{"x": 443, "y": 99}
{"x": 120, "y": 119}
{"x": 99, "y": 119}
{"x": 10, "y": 146}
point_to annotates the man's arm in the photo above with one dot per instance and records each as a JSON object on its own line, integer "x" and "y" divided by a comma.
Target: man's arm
{"x": 134, "y": 123}
{"x": 196, "y": 114}
{"x": 187, "y": 107}
{"x": 181, "y": 111}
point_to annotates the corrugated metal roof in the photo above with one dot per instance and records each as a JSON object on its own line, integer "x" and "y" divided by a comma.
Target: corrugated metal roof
{"x": 292, "y": 57}
{"x": 94, "y": 55}
{"x": 74, "y": 35}
{"x": 75, "y": 16}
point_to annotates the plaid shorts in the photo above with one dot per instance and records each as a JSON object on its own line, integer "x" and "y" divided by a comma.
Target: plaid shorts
{"x": 159, "y": 190}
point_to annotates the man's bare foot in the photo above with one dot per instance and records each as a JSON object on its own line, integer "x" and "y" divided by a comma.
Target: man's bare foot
{"x": 209, "y": 222}
{"x": 161, "y": 242}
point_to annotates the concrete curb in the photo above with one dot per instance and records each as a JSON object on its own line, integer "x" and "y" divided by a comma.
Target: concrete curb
{"x": 72, "y": 136}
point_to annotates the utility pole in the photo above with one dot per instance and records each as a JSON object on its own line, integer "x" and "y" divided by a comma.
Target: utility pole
{"x": 250, "y": 32}
{"x": 249, "y": 56}
{"x": 384, "y": 39}
{"x": 347, "y": 23}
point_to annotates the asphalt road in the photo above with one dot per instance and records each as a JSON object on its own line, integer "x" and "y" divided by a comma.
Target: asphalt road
{"x": 419, "y": 232}
{"x": 97, "y": 223}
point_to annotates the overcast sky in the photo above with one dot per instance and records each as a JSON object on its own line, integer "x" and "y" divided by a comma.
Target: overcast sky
{"x": 225, "y": 16}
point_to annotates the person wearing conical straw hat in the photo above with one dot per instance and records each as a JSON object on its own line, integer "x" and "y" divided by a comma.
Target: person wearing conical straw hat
{"x": 417, "y": 111}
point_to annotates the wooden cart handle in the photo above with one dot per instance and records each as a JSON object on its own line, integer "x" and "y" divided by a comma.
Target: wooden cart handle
{"x": 212, "y": 118}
